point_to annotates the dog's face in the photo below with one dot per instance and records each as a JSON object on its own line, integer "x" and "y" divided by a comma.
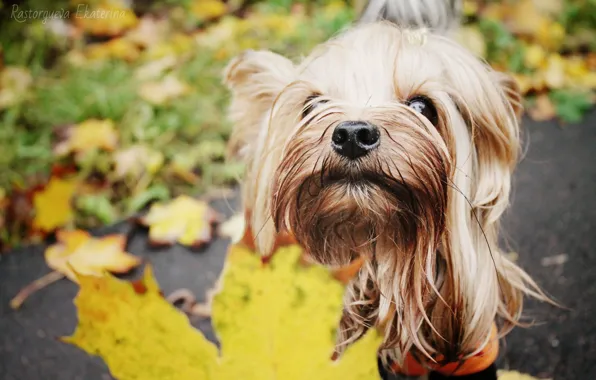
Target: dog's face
{"x": 397, "y": 146}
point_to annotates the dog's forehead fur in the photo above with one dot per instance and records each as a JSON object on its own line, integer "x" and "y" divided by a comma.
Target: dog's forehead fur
{"x": 378, "y": 63}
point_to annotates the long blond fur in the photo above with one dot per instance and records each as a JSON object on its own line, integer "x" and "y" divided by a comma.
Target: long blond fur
{"x": 427, "y": 221}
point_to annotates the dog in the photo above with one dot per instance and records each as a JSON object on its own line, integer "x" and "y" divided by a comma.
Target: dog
{"x": 391, "y": 146}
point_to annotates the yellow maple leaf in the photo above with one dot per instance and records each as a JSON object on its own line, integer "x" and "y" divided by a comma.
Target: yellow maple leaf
{"x": 119, "y": 48}
{"x": 551, "y": 35}
{"x": 53, "y": 207}
{"x": 175, "y": 45}
{"x": 208, "y": 9}
{"x": 185, "y": 219}
{"x": 535, "y": 56}
{"x": 274, "y": 321}
{"x": 524, "y": 17}
{"x": 108, "y": 18}
{"x": 77, "y": 252}
{"x": 88, "y": 135}
{"x": 164, "y": 90}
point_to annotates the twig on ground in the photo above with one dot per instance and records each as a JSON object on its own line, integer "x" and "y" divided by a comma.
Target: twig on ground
{"x": 36, "y": 285}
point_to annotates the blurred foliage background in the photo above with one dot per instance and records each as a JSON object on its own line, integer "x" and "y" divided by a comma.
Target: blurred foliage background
{"x": 109, "y": 105}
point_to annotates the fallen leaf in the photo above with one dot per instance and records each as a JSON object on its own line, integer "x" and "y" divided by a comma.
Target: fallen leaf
{"x": 119, "y": 48}
{"x": 554, "y": 73}
{"x": 469, "y": 8}
{"x": 535, "y": 56}
{"x": 136, "y": 160}
{"x": 524, "y": 17}
{"x": 148, "y": 32}
{"x": 205, "y": 10}
{"x": 551, "y": 35}
{"x": 551, "y": 7}
{"x": 554, "y": 260}
{"x": 162, "y": 91}
{"x": 53, "y": 206}
{"x": 175, "y": 45}
{"x": 14, "y": 83}
{"x": 78, "y": 253}
{"x": 260, "y": 317}
{"x": 524, "y": 82}
{"x": 186, "y": 220}
{"x": 543, "y": 109}
{"x": 233, "y": 228}
{"x": 108, "y": 18}
{"x": 88, "y": 135}
{"x": 155, "y": 69}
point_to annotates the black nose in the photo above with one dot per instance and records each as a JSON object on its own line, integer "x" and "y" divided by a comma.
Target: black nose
{"x": 353, "y": 139}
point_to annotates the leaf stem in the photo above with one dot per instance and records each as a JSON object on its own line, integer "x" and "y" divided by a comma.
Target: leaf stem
{"x": 36, "y": 285}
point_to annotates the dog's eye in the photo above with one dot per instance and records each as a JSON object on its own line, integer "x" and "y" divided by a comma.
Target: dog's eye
{"x": 311, "y": 103}
{"x": 424, "y": 106}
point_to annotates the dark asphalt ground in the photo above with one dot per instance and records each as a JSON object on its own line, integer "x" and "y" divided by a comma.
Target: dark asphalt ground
{"x": 553, "y": 213}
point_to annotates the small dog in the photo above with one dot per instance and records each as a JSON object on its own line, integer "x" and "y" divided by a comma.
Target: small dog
{"x": 391, "y": 146}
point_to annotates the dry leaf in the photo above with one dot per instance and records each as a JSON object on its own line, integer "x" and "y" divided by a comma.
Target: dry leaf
{"x": 155, "y": 69}
{"x": 551, "y": 7}
{"x": 554, "y": 73}
{"x": 524, "y": 17}
{"x": 175, "y": 45}
{"x": 551, "y": 35}
{"x": 535, "y": 56}
{"x": 108, "y": 18}
{"x": 205, "y": 10}
{"x": 119, "y": 48}
{"x": 524, "y": 82}
{"x": 136, "y": 160}
{"x": 273, "y": 321}
{"x": 161, "y": 92}
{"x": 88, "y": 135}
{"x": 14, "y": 82}
{"x": 148, "y": 32}
{"x": 543, "y": 109}
{"x": 78, "y": 253}
{"x": 185, "y": 219}
{"x": 554, "y": 260}
{"x": 53, "y": 206}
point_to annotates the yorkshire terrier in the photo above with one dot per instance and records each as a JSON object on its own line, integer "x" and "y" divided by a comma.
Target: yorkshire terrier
{"x": 391, "y": 146}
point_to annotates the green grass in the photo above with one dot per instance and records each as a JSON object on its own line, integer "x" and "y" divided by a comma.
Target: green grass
{"x": 190, "y": 132}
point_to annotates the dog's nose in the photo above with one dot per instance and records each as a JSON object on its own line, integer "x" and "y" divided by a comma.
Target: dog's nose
{"x": 353, "y": 139}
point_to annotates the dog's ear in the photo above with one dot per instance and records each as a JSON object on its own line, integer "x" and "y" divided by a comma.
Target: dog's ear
{"x": 255, "y": 79}
{"x": 512, "y": 92}
{"x": 497, "y": 142}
